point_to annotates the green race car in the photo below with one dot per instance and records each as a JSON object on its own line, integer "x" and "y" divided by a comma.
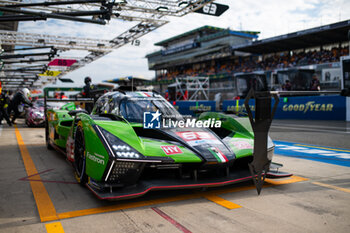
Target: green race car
{"x": 135, "y": 142}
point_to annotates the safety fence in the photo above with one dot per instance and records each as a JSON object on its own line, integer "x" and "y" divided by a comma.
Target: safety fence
{"x": 334, "y": 107}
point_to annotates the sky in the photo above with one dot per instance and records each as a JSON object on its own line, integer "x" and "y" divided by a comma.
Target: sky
{"x": 269, "y": 17}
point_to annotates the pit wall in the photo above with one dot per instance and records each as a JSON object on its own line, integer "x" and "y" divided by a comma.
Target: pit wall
{"x": 303, "y": 108}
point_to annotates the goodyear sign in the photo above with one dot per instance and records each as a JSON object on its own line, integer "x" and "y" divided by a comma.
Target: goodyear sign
{"x": 306, "y": 107}
{"x": 191, "y": 107}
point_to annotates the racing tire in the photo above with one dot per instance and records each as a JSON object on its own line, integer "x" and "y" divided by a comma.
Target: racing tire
{"x": 80, "y": 156}
{"x": 47, "y": 139}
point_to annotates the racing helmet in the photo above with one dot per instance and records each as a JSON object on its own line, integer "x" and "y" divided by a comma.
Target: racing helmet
{"x": 26, "y": 92}
{"x": 87, "y": 80}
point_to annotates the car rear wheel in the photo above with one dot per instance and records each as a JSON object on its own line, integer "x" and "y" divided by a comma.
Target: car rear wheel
{"x": 79, "y": 156}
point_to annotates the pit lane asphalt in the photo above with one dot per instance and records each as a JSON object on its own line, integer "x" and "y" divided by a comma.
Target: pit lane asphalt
{"x": 318, "y": 204}
{"x": 322, "y": 133}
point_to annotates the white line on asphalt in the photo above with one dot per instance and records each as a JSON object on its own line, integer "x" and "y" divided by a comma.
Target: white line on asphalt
{"x": 310, "y": 130}
{"x": 313, "y": 126}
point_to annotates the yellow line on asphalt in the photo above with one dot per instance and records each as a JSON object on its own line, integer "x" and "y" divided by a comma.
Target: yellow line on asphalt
{"x": 320, "y": 147}
{"x": 123, "y": 206}
{"x": 223, "y": 202}
{"x": 55, "y": 227}
{"x": 105, "y": 209}
{"x": 230, "y": 205}
{"x": 46, "y": 209}
{"x": 332, "y": 187}
{"x": 235, "y": 189}
{"x": 292, "y": 179}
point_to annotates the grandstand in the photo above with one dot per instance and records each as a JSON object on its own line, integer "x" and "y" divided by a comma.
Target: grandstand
{"x": 196, "y": 47}
{"x": 222, "y": 53}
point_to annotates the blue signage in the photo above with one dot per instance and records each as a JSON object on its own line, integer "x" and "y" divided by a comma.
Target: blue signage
{"x": 194, "y": 107}
{"x": 305, "y": 107}
{"x": 180, "y": 48}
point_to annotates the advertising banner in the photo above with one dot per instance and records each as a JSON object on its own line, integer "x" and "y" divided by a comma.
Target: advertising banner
{"x": 194, "y": 107}
{"x": 304, "y": 108}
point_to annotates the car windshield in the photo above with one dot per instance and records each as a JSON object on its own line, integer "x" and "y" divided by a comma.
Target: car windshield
{"x": 55, "y": 105}
{"x": 133, "y": 109}
{"x": 38, "y": 103}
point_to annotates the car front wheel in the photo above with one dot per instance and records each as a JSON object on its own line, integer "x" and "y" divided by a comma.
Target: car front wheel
{"x": 79, "y": 156}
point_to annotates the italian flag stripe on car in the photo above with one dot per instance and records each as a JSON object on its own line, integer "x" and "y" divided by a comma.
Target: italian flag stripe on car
{"x": 218, "y": 154}
{"x": 144, "y": 94}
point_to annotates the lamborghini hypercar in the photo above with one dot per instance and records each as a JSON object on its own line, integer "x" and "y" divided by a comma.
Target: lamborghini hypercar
{"x": 135, "y": 142}
{"x": 35, "y": 115}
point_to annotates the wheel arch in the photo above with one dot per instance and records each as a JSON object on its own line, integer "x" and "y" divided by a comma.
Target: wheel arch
{"x": 97, "y": 157}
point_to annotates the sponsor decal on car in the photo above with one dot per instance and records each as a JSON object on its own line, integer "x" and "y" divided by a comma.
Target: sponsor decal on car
{"x": 242, "y": 145}
{"x": 70, "y": 148}
{"x": 198, "y": 138}
{"x": 171, "y": 150}
{"x": 218, "y": 154}
{"x": 195, "y": 136}
{"x": 143, "y": 94}
{"x": 96, "y": 158}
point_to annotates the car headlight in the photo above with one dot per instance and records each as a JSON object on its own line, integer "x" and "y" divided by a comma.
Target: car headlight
{"x": 120, "y": 148}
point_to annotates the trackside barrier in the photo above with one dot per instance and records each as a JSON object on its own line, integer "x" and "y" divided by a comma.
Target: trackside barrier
{"x": 334, "y": 107}
{"x": 192, "y": 107}
{"x": 303, "y": 108}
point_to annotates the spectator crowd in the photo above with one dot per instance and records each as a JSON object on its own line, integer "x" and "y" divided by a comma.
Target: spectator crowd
{"x": 252, "y": 63}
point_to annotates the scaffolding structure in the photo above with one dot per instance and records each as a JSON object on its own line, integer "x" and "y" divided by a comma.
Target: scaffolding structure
{"x": 191, "y": 88}
{"x": 148, "y": 15}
